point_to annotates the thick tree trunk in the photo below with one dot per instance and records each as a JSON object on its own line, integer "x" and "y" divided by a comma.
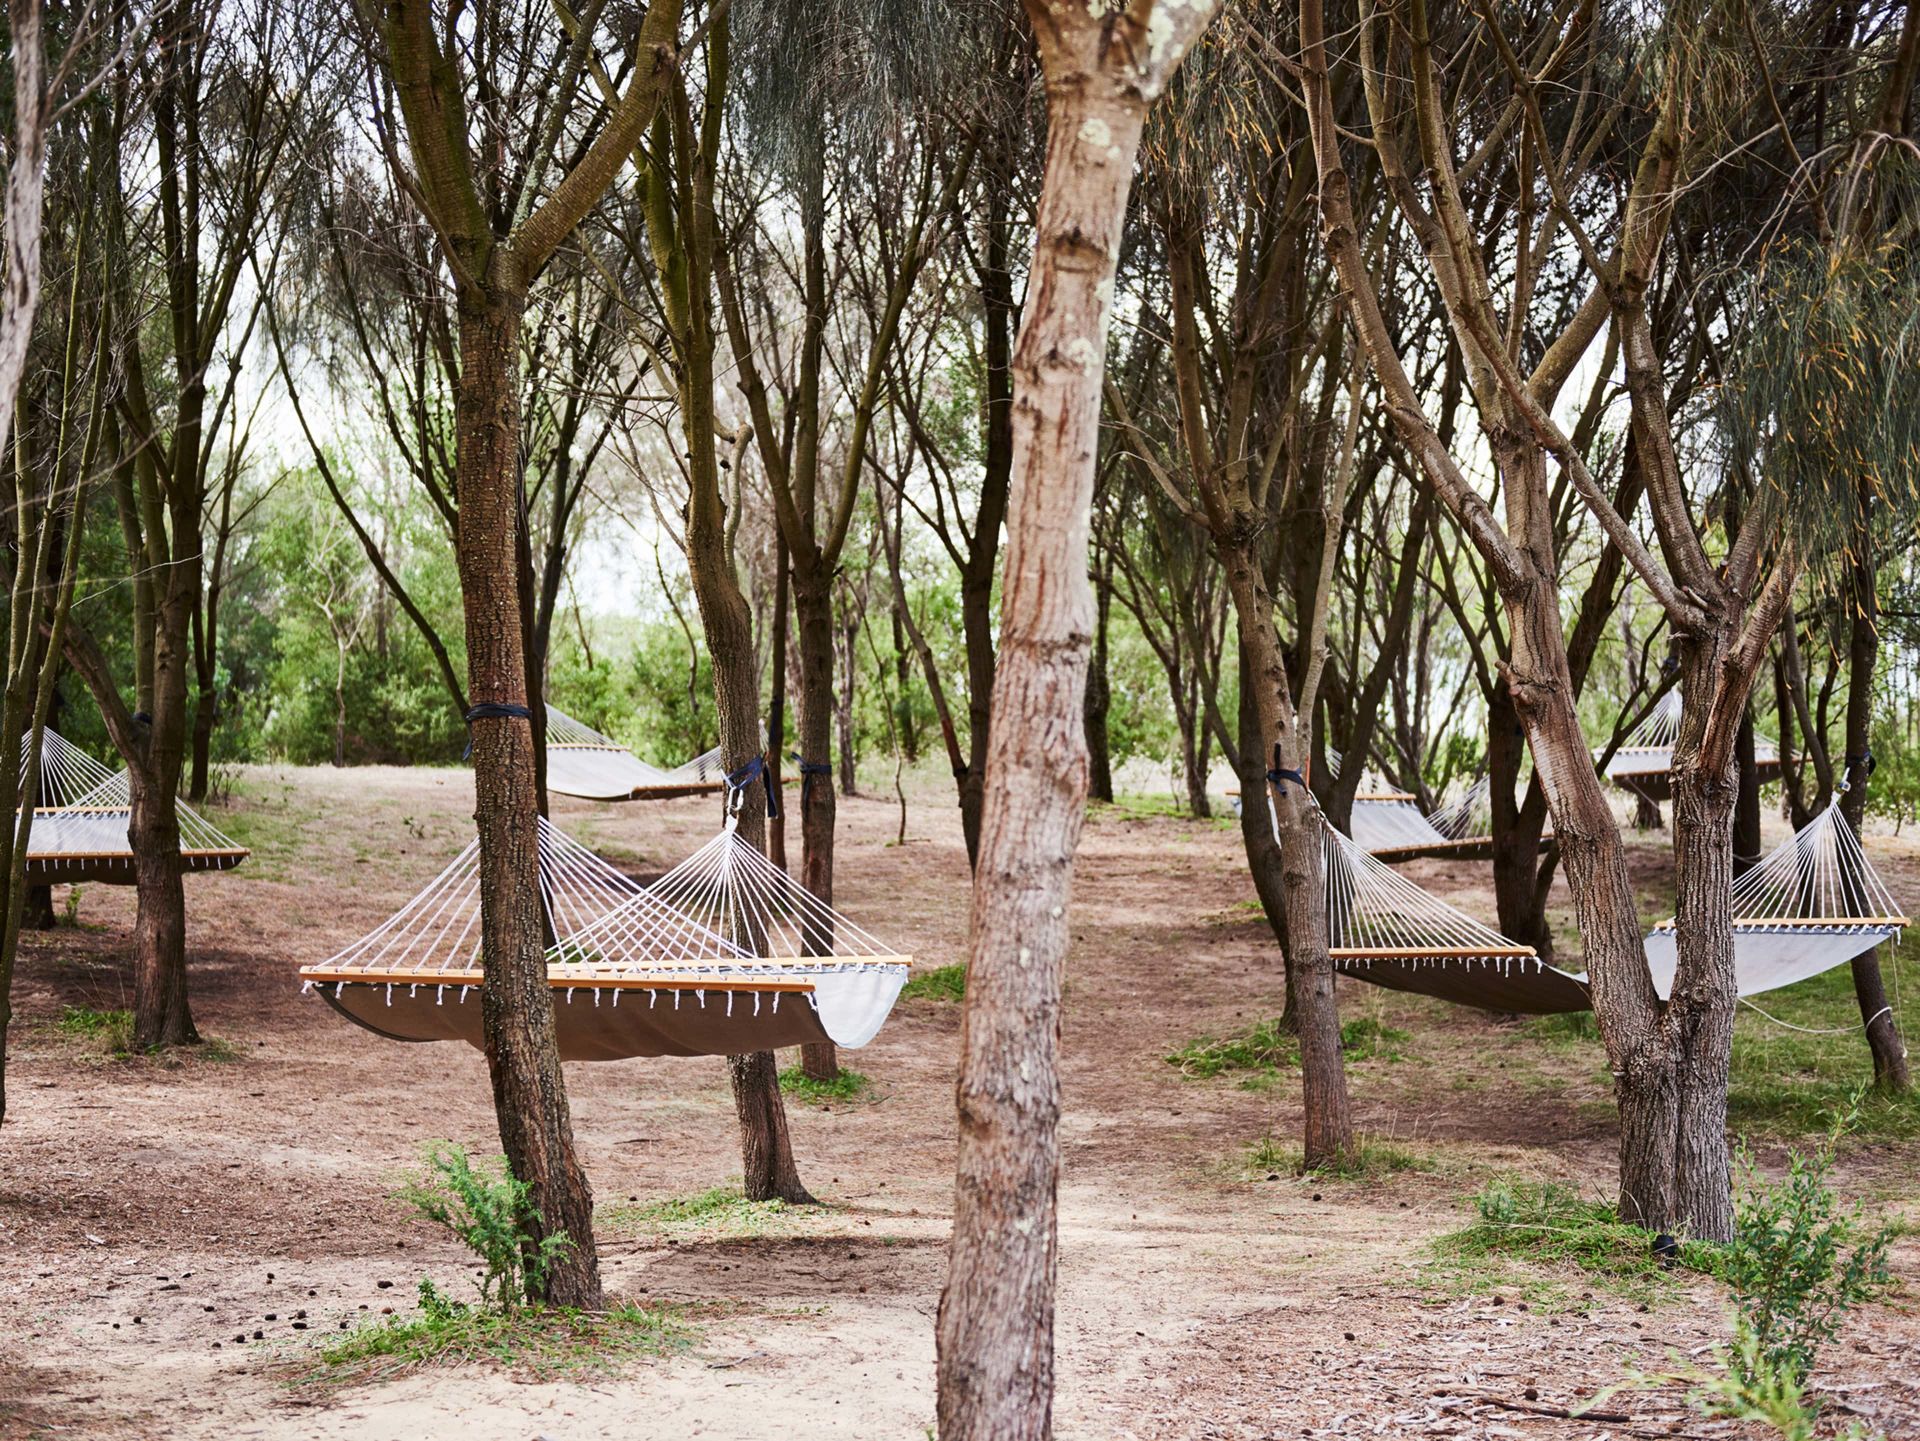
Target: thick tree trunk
{"x": 1892, "y": 1070}
{"x": 995, "y": 1331}
{"x": 529, "y": 1093}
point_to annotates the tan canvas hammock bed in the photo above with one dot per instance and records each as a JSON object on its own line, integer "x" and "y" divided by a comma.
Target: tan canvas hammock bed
{"x": 1813, "y": 904}
{"x": 81, "y": 818}
{"x": 635, "y": 971}
{"x": 582, "y": 762}
{"x": 1644, "y": 764}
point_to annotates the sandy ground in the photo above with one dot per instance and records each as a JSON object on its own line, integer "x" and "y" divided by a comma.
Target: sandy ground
{"x": 158, "y": 1215}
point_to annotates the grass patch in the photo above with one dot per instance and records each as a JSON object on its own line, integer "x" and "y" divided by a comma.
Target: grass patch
{"x": 1788, "y": 1084}
{"x": 547, "y": 1342}
{"x": 108, "y": 1031}
{"x": 1543, "y": 1224}
{"x": 845, "y": 1086}
{"x": 723, "y": 1211}
{"x": 1564, "y": 1028}
{"x": 1265, "y": 1050}
{"x": 943, "y": 983}
{"x": 1368, "y": 1159}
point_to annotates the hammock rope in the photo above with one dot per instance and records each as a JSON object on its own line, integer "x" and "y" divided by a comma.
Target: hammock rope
{"x": 1644, "y": 762}
{"x": 1374, "y": 911}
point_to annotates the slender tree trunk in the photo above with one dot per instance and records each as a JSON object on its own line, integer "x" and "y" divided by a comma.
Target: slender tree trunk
{"x": 1515, "y": 830}
{"x": 1892, "y": 1070}
{"x": 1328, "y": 1116}
{"x": 766, "y": 1147}
{"x": 205, "y": 713}
{"x": 995, "y": 1331}
{"x": 1747, "y": 848}
{"x": 1099, "y": 697}
{"x": 523, "y": 1059}
{"x": 161, "y": 1015}
{"x": 813, "y": 616}
{"x": 39, "y": 913}
{"x": 1256, "y": 830}
{"x": 777, "y": 704}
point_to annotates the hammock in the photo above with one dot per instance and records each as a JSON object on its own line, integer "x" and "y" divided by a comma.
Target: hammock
{"x": 1644, "y": 764}
{"x": 632, "y": 974}
{"x": 1813, "y": 904}
{"x": 80, "y": 823}
{"x": 1383, "y": 928}
{"x": 584, "y": 763}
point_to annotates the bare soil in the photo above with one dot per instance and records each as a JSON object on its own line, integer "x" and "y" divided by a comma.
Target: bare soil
{"x": 159, "y": 1214}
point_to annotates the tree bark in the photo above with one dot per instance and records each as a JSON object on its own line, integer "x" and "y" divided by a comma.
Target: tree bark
{"x": 1892, "y": 1069}
{"x": 523, "y": 1058}
{"x": 995, "y": 1331}
{"x": 1099, "y": 697}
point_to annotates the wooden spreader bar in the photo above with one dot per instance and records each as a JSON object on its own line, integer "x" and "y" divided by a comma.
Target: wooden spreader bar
{"x": 648, "y": 981}
{"x": 1781, "y": 923}
{"x": 1436, "y": 953}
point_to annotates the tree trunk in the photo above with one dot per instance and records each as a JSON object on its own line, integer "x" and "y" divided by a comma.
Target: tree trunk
{"x": 1099, "y": 697}
{"x": 161, "y": 1016}
{"x": 205, "y": 713}
{"x": 1328, "y": 1118}
{"x": 1256, "y": 830}
{"x": 777, "y": 704}
{"x": 1515, "y": 830}
{"x": 39, "y": 914}
{"x": 766, "y": 1147}
{"x": 1646, "y": 813}
{"x": 1747, "y": 847}
{"x": 1892, "y": 1070}
{"x": 529, "y": 1092}
{"x": 813, "y": 617}
{"x": 995, "y": 1330}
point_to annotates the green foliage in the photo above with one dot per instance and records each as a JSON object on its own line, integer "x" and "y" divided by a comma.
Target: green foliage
{"x": 1266, "y": 1048}
{"x": 943, "y": 983}
{"x": 1798, "y": 1264}
{"x": 546, "y": 1341}
{"x": 491, "y": 1211}
{"x": 111, "y": 1031}
{"x": 845, "y": 1086}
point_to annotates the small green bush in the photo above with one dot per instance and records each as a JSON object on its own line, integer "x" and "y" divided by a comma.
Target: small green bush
{"x": 1799, "y": 1263}
{"x": 1267, "y": 1048}
{"x": 493, "y": 1214}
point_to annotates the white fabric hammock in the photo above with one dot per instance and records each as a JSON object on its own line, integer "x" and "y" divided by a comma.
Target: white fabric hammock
{"x": 584, "y": 763}
{"x": 81, "y": 818}
{"x": 1644, "y": 764}
{"x": 632, "y": 973}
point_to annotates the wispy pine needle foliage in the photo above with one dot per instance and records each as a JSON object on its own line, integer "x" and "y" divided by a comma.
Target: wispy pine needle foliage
{"x": 1822, "y": 410}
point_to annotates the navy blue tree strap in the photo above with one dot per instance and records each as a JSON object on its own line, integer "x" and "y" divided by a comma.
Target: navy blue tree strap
{"x": 755, "y": 769}
{"x": 808, "y": 773}
{"x": 492, "y": 710}
{"x": 1278, "y": 778}
{"x": 1864, "y": 760}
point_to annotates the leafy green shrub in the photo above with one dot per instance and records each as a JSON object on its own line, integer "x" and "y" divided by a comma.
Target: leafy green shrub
{"x": 492, "y": 1213}
{"x": 1798, "y": 1264}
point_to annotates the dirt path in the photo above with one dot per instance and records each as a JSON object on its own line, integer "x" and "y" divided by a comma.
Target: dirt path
{"x": 158, "y": 1214}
